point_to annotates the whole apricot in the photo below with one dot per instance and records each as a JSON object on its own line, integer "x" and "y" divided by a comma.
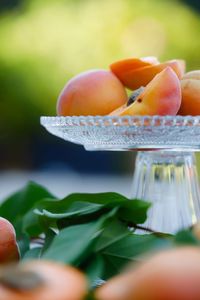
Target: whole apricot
{"x": 169, "y": 275}
{"x": 190, "y": 87}
{"x": 192, "y": 75}
{"x": 42, "y": 280}
{"x": 95, "y": 92}
{"x": 196, "y": 230}
{"x": 8, "y": 245}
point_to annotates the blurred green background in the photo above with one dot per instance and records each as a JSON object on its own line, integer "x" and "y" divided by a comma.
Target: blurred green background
{"x": 44, "y": 43}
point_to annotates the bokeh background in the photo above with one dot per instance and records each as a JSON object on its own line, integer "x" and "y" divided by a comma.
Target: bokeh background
{"x": 45, "y": 43}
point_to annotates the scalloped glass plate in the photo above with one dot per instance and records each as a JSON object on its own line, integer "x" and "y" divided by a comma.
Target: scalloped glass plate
{"x": 127, "y": 133}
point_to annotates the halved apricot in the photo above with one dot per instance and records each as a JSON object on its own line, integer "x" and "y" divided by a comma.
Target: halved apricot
{"x": 134, "y": 74}
{"x": 129, "y": 64}
{"x": 162, "y": 96}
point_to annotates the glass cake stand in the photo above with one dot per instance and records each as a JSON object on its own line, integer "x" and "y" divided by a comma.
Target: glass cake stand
{"x": 165, "y": 171}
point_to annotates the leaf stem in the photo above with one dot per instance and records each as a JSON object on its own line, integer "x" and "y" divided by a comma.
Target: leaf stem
{"x": 136, "y": 226}
{"x": 147, "y": 229}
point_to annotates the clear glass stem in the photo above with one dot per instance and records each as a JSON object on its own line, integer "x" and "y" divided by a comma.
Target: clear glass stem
{"x": 169, "y": 181}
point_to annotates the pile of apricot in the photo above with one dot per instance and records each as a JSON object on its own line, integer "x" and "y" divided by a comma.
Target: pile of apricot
{"x": 171, "y": 274}
{"x": 154, "y": 89}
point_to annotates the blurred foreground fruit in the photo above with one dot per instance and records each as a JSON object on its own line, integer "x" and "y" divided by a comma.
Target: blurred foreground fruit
{"x": 190, "y": 86}
{"x": 134, "y": 75}
{"x": 41, "y": 280}
{"x": 95, "y": 92}
{"x": 162, "y": 96}
{"x": 196, "y": 230}
{"x": 8, "y": 247}
{"x": 170, "y": 275}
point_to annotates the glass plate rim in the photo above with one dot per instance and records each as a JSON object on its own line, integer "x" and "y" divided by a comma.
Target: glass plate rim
{"x": 120, "y": 120}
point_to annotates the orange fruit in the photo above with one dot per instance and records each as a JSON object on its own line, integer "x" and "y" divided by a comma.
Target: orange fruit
{"x": 8, "y": 246}
{"x": 42, "y": 280}
{"x": 169, "y": 275}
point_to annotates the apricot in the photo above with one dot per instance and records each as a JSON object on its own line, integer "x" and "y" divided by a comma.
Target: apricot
{"x": 8, "y": 246}
{"x": 126, "y": 65}
{"x": 162, "y": 96}
{"x": 190, "y": 87}
{"x": 134, "y": 76}
{"x": 192, "y": 75}
{"x": 196, "y": 230}
{"x": 42, "y": 280}
{"x": 169, "y": 275}
{"x": 95, "y": 92}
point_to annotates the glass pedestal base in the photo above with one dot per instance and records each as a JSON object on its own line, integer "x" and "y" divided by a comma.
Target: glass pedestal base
{"x": 168, "y": 179}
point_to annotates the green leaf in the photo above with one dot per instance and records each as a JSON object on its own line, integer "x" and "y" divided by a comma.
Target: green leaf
{"x": 76, "y": 209}
{"x": 114, "y": 232}
{"x": 80, "y": 208}
{"x": 186, "y": 237}
{"x": 94, "y": 269}
{"x": 23, "y": 244}
{"x": 17, "y": 205}
{"x": 134, "y": 211}
{"x": 31, "y": 224}
{"x": 133, "y": 245}
{"x": 74, "y": 243}
{"x": 113, "y": 265}
{"x": 34, "y": 253}
{"x": 99, "y": 198}
{"x": 130, "y": 248}
{"x": 49, "y": 236}
{"x": 90, "y": 296}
